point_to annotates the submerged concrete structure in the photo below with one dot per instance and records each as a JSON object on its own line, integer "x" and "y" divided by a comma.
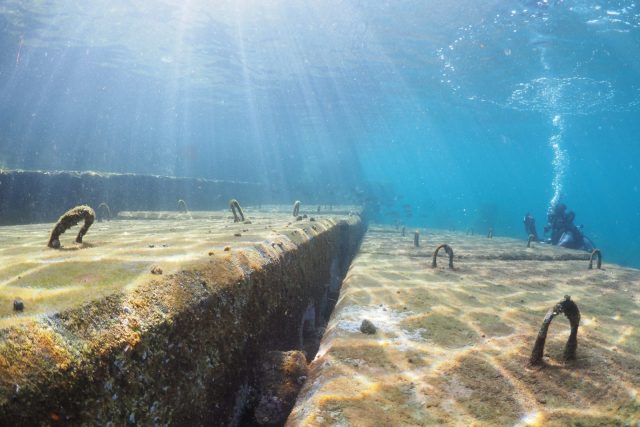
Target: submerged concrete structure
{"x": 102, "y": 340}
{"x": 452, "y": 346}
{"x": 194, "y": 319}
{"x": 28, "y": 197}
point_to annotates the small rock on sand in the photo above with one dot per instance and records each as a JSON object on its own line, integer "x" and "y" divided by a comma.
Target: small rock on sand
{"x": 366, "y": 327}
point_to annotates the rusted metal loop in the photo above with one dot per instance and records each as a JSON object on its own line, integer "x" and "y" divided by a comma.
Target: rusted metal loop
{"x": 416, "y": 238}
{"x": 598, "y": 254}
{"x": 238, "y": 215}
{"x": 490, "y": 233}
{"x": 571, "y": 311}
{"x": 449, "y": 252}
{"x": 104, "y": 212}
{"x": 532, "y": 238}
{"x": 296, "y": 208}
{"x": 68, "y": 220}
{"x": 182, "y": 206}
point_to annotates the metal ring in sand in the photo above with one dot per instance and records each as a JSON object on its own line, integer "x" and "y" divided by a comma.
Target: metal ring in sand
{"x": 570, "y": 309}
{"x": 449, "y": 252}
{"x": 182, "y": 206}
{"x": 416, "y": 239}
{"x": 532, "y": 238}
{"x": 490, "y": 234}
{"x": 68, "y": 220}
{"x": 598, "y": 254}
{"x": 296, "y": 208}
{"x": 238, "y": 215}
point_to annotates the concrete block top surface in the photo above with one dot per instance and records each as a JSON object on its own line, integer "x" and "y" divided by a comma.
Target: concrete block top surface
{"x": 121, "y": 254}
{"x": 445, "y": 346}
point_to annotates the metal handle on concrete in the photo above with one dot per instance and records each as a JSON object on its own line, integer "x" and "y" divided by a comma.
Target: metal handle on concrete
{"x": 296, "y": 208}
{"x": 104, "y": 211}
{"x": 449, "y": 252}
{"x": 532, "y": 238}
{"x": 238, "y": 215}
{"x": 182, "y": 206}
{"x": 598, "y": 254}
{"x": 416, "y": 239}
{"x": 68, "y": 220}
{"x": 570, "y": 309}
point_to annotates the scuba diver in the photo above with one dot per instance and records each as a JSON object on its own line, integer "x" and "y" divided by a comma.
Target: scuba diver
{"x": 563, "y": 231}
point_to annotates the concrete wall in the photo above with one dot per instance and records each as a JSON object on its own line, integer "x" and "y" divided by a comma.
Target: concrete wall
{"x": 33, "y": 197}
{"x": 178, "y": 350}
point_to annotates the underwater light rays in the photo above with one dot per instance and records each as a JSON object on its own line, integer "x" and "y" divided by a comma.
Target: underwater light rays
{"x": 35, "y": 100}
{"x": 270, "y": 166}
{"x": 296, "y": 105}
{"x": 176, "y": 109}
{"x": 353, "y": 121}
{"x": 398, "y": 103}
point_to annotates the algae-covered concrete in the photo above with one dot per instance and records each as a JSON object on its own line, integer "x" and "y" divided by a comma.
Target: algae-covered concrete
{"x": 452, "y": 347}
{"x": 104, "y": 340}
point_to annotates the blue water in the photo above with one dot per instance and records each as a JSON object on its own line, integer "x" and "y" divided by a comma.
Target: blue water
{"x": 455, "y": 114}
